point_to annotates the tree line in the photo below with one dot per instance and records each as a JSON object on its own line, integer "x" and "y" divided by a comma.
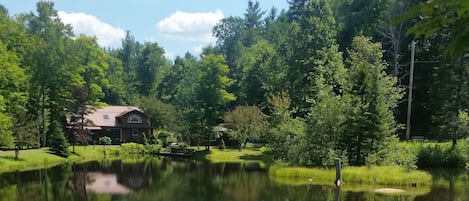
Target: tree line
{"x": 320, "y": 80}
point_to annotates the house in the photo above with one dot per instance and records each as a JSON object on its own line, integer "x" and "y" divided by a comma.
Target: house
{"x": 104, "y": 183}
{"x": 121, "y": 123}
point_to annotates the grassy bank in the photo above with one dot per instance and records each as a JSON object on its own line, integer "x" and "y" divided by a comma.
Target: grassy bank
{"x": 250, "y": 154}
{"x": 383, "y": 175}
{"x": 41, "y": 158}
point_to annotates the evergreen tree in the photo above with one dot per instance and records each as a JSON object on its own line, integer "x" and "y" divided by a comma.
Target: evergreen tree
{"x": 58, "y": 142}
{"x": 371, "y": 96}
{"x": 314, "y": 31}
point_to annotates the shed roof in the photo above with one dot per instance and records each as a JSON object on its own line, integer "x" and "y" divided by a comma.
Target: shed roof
{"x": 106, "y": 116}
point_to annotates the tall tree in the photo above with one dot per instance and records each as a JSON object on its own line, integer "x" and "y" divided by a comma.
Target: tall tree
{"x": 312, "y": 31}
{"x": 210, "y": 95}
{"x": 372, "y": 95}
{"x": 360, "y": 17}
{"x": 50, "y": 79}
{"x": 325, "y": 122}
{"x": 114, "y": 93}
{"x": 151, "y": 68}
{"x": 13, "y": 94}
{"x": 260, "y": 73}
{"x": 128, "y": 55}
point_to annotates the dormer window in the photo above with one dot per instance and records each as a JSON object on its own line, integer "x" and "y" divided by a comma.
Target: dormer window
{"x": 134, "y": 119}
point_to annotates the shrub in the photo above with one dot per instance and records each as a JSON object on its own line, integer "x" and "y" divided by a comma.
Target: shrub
{"x": 437, "y": 157}
{"x": 132, "y": 148}
{"x": 105, "y": 140}
{"x": 150, "y": 149}
{"x": 165, "y": 137}
{"x": 394, "y": 154}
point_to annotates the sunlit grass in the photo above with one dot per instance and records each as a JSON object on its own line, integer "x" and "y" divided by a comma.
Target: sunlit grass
{"x": 249, "y": 154}
{"x": 384, "y": 175}
{"x": 42, "y": 158}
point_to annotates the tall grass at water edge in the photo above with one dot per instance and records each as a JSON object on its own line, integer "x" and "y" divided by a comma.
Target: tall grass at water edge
{"x": 380, "y": 175}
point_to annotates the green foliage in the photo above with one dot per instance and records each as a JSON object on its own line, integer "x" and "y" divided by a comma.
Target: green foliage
{"x": 165, "y": 137}
{"x": 6, "y": 137}
{"x": 314, "y": 25}
{"x": 12, "y": 81}
{"x": 438, "y": 157}
{"x": 58, "y": 142}
{"x": 162, "y": 115}
{"x": 25, "y": 131}
{"x": 285, "y": 131}
{"x": 105, "y": 140}
{"x": 371, "y": 95}
{"x": 393, "y": 154}
{"x": 448, "y": 16}
{"x": 132, "y": 148}
{"x": 246, "y": 121}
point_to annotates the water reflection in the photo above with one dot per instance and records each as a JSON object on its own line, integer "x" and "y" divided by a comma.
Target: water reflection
{"x": 180, "y": 179}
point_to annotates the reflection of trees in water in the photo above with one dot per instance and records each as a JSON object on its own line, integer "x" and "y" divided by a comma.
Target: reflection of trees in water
{"x": 451, "y": 185}
{"x": 182, "y": 179}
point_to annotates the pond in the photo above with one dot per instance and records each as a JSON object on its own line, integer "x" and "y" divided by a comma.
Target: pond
{"x": 184, "y": 179}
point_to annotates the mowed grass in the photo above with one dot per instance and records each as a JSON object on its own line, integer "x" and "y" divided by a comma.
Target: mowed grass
{"x": 382, "y": 175}
{"x": 249, "y": 154}
{"x": 42, "y": 158}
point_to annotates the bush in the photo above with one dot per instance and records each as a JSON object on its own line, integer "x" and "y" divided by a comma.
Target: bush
{"x": 132, "y": 148}
{"x": 105, "y": 140}
{"x": 437, "y": 157}
{"x": 150, "y": 149}
{"x": 394, "y": 154}
{"x": 165, "y": 137}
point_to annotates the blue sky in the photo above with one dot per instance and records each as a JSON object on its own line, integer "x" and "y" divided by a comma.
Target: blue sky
{"x": 178, "y": 26}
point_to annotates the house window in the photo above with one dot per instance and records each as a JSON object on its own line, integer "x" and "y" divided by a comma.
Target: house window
{"x": 105, "y": 116}
{"x": 134, "y": 119}
{"x": 134, "y": 131}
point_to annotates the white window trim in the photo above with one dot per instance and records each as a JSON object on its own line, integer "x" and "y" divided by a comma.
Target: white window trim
{"x": 134, "y": 119}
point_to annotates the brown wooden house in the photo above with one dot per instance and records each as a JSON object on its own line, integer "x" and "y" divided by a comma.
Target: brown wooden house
{"x": 121, "y": 123}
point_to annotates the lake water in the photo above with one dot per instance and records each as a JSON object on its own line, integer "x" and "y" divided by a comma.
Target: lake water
{"x": 182, "y": 179}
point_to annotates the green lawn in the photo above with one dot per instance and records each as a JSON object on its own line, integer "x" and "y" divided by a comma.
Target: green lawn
{"x": 40, "y": 158}
{"x": 249, "y": 154}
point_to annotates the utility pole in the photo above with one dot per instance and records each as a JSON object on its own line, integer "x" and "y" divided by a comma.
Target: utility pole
{"x": 411, "y": 85}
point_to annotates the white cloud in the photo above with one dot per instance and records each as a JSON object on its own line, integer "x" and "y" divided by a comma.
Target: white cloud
{"x": 198, "y": 49}
{"x": 90, "y": 25}
{"x": 170, "y": 55}
{"x": 190, "y": 26}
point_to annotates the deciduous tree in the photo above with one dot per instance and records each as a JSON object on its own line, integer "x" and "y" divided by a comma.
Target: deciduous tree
{"x": 246, "y": 122}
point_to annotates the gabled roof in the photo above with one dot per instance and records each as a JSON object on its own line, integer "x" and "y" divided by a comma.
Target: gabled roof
{"x": 106, "y": 116}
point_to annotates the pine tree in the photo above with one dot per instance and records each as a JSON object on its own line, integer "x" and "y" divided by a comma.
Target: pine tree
{"x": 58, "y": 142}
{"x": 371, "y": 96}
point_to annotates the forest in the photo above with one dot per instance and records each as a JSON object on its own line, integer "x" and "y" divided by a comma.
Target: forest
{"x": 323, "y": 79}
